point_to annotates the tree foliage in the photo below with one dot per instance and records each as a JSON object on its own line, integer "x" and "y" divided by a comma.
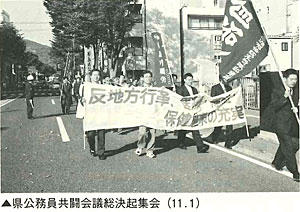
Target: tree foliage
{"x": 13, "y": 51}
{"x": 11, "y": 43}
{"x": 102, "y": 23}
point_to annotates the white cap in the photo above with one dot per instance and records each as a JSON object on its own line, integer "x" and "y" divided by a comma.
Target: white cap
{"x": 30, "y": 77}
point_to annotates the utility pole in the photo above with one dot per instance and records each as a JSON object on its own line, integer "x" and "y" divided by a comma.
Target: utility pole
{"x": 181, "y": 35}
{"x": 145, "y": 36}
{"x": 287, "y": 29}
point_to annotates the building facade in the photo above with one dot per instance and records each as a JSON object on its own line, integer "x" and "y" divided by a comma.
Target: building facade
{"x": 202, "y": 20}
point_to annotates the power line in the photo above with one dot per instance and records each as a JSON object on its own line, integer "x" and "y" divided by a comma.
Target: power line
{"x": 30, "y": 22}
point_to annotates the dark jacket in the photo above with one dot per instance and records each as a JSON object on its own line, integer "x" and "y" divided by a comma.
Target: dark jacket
{"x": 284, "y": 119}
{"x": 76, "y": 88}
{"x": 29, "y": 91}
{"x": 66, "y": 89}
{"x": 218, "y": 90}
{"x": 184, "y": 92}
{"x": 177, "y": 88}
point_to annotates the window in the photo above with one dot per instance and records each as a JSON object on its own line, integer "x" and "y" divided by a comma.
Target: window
{"x": 284, "y": 46}
{"x": 215, "y": 3}
{"x": 195, "y": 23}
{"x": 136, "y": 45}
{"x": 218, "y": 37}
{"x": 205, "y": 22}
{"x": 135, "y": 11}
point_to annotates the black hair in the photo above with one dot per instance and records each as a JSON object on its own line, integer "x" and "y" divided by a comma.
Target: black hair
{"x": 289, "y": 72}
{"x": 187, "y": 75}
{"x": 100, "y": 73}
{"x": 91, "y": 71}
{"x": 148, "y": 72}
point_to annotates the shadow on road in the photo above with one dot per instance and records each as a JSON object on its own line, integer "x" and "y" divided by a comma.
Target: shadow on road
{"x": 161, "y": 145}
{"x": 4, "y": 128}
{"x": 125, "y": 148}
{"x": 48, "y": 116}
{"x": 238, "y": 134}
{"x": 7, "y": 111}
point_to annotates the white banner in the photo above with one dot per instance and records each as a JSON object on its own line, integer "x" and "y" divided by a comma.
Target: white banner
{"x": 88, "y": 58}
{"x": 109, "y": 107}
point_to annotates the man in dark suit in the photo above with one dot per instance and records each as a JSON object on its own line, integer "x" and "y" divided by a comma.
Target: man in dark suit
{"x": 188, "y": 90}
{"x": 29, "y": 93}
{"x": 216, "y": 90}
{"x": 66, "y": 96}
{"x": 286, "y": 125}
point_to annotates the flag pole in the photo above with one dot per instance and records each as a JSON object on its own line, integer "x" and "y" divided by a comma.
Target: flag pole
{"x": 246, "y": 122}
{"x": 84, "y": 133}
{"x": 280, "y": 73}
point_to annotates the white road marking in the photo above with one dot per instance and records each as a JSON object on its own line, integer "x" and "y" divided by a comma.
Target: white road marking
{"x": 62, "y": 129}
{"x": 257, "y": 162}
{"x": 53, "y": 102}
{"x": 252, "y": 116}
{"x": 8, "y": 101}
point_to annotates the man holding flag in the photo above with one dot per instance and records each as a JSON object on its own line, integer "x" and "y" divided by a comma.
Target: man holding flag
{"x": 244, "y": 46}
{"x": 286, "y": 126}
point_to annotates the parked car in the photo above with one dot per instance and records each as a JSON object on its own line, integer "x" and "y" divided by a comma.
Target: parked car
{"x": 41, "y": 84}
{"x": 55, "y": 85}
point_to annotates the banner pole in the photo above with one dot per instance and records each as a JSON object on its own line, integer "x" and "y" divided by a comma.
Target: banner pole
{"x": 247, "y": 128}
{"x": 280, "y": 74}
{"x": 83, "y": 125}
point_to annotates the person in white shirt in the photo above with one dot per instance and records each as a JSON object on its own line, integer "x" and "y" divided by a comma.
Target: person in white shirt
{"x": 143, "y": 130}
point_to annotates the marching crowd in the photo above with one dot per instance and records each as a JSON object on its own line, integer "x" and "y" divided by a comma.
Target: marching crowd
{"x": 286, "y": 126}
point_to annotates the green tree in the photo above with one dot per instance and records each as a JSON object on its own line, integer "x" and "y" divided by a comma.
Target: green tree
{"x": 12, "y": 50}
{"x": 11, "y": 43}
{"x": 103, "y": 23}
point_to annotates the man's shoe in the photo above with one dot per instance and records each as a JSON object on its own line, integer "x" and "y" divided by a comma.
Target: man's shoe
{"x": 277, "y": 167}
{"x": 93, "y": 153}
{"x": 138, "y": 151}
{"x": 182, "y": 146}
{"x": 203, "y": 149}
{"x": 228, "y": 146}
{"x": 102, "y": 157}
{"x": 150, "y": 155}
{"x": 235, "y": 142}
{"x": 296, "y": 177}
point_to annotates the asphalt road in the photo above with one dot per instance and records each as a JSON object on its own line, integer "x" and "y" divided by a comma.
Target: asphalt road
{"x": 35, "y": 159}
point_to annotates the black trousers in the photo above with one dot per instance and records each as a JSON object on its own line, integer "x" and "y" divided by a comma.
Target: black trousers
{"x": 288, "y": 147}
{"x": 100, "y": 134}
{"x": 196, "y": 135}
{"x": 217, "y": 132}
{"x": 66, "y": 104}
{"x": 29, "y": 109}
